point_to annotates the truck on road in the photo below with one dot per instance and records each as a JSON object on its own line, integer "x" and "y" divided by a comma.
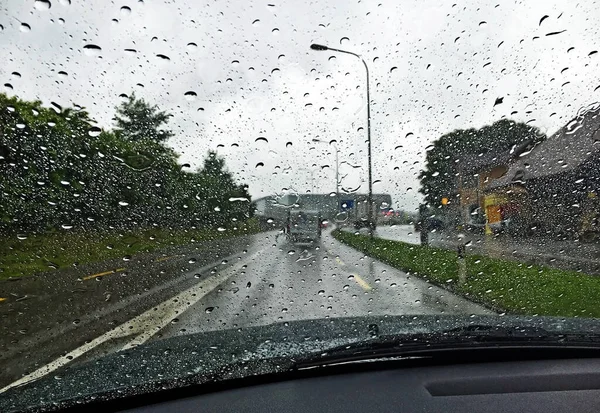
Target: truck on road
{"x": 304, "y": 226}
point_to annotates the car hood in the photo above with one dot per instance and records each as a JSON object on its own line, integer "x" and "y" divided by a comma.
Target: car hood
{"x": 237, "y": 353}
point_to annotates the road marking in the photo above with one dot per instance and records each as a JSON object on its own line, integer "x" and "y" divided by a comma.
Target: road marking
{"x": 166, "y": 258}
{"x": 100, "y": 274}
{"x": 145, "y": 325}
{"x": 337, "y": 258}
{"x": 362, "y": 282}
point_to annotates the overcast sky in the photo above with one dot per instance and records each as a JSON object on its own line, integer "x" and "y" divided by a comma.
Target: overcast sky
{"x": 435, "y": 66}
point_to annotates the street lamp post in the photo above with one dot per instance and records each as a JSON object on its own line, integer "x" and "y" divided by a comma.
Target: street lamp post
{"x": 321, "y": 47}
{"x": 337, "y": 173}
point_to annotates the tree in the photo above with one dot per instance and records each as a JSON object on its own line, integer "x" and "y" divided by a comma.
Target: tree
{"x": 439, "y": 178}
{"x": 137, "y": 120}
{"x": 223, "y": 201}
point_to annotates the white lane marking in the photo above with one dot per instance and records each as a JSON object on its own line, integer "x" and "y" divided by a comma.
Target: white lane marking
{"x": 144, "y": 325}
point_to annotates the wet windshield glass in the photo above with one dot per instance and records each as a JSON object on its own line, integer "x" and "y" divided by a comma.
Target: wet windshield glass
{"x": 168, "y": 169}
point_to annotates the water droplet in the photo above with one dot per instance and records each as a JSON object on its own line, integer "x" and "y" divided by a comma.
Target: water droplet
{"x": 21, "y": 236}
{"x": 130, "y": 51}
{"x": 261, "y": 139}
{"x": 8, "y": 86}
{"x": 483, "y": 23}
{"x": 192, "y": 46}
{"x": 127, "y": 258}
{"x": 163, "y": 57}
{"x": 499, "y": 101}
{"x": 76, "y": 321}
{"x": 291, "y": 252}
{"x": 16, "y": 75}
{"x": 94, "y": 131}
{"x": 125, "y": 11}
{"x": 91, "y": 50}
{"x": 593, "y": 52}
{"x": 256, "y": 22}
{"x": 274, "y": 71}
{"x": 221, "y": 229}
{"x": 542, "y": 19}
{"x": 123, "y": 203}
{"x": 66, "y": 226}
{"x": 275, "y": 30}
{"x": 62, "y": 73}
{"x": 209, "y": 310}
{"x": 321, "y": 292}
{"x": 344, "y": 40}
{"x": 190, "y": 95}
{"x": 65, "y": 2}
{"x": 42, "y": 4}
{"x": 25, "y": 28}
{"x": 259, "y": 165}
{"x": 192, "y": 260}
{"x": 393, "y": 68}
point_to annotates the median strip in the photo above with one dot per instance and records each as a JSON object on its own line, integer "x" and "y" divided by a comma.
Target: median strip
{"x": 100, "y": 274}
{"x": 509, "y": 286}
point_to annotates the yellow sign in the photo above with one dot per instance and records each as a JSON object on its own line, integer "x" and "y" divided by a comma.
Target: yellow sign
{"x": 444, "y": 201}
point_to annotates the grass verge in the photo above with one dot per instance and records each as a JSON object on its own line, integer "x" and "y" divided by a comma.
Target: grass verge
{"x": 513, "y": 287}
{"x": 22, "y": 256}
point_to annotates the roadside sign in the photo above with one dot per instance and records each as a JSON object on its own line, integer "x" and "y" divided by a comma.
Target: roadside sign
{"x": 347, "y": 204}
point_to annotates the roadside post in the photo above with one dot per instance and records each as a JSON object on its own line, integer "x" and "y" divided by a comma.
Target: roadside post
{"x": 423, "y": 224}
{"x": 462, "y": 262}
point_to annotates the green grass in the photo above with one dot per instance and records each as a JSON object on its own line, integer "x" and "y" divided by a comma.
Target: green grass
{"x": 513, "y": 287}
{"x": 47, "y": 252}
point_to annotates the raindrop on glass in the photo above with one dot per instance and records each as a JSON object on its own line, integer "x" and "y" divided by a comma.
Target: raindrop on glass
{"x": 42, "y": 4}
{"x": 190, "y": 95}
{"x": 92, "y": 50}
{"x": 94, "y": 131}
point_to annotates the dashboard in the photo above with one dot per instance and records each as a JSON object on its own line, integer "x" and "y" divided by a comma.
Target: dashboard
{"x": 568, "y": 385}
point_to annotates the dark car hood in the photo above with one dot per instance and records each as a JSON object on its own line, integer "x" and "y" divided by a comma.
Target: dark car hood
{"x": 232, "y": 354}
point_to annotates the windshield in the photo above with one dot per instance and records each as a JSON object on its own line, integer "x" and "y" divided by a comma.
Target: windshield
{"x": 169, "y": 169}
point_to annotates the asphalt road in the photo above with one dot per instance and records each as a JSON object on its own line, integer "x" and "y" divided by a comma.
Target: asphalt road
{"x": 265, "y": 280}
{"x": 283, "y": 282}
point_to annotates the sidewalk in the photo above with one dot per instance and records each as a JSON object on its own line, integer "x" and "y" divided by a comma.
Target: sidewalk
{"x": 563, "y": 254}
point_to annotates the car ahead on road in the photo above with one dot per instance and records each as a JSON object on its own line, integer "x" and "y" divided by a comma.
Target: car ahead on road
{"x": 431, "y": 363}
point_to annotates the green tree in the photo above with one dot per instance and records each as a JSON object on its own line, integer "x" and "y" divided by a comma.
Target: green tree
{"x": 439, "y": 177}
{"x": 137, "y": 120}
{"x": 222, "y": 201}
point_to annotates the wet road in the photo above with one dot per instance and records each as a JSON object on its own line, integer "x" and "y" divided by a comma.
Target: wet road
{"x": 283, "y": 282}
{"x": 266, "y": 281}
